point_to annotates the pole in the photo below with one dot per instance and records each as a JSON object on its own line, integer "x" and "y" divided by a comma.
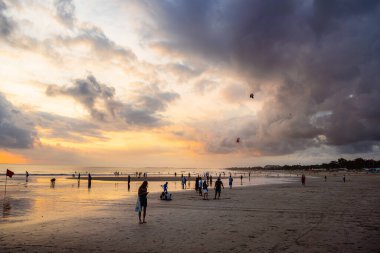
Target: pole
{"x": 5, "y": 191}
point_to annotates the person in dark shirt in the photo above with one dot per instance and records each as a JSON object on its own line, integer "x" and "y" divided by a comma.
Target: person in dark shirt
{"x": 218, "y": 187}
{"x": 89, "y": 180}
{"x": 142, "y": 194}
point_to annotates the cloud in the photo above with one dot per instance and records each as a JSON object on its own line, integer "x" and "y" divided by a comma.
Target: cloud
{"x": 309, "y": 57}
{"x": 16, "y": 129}
{"x": 66, "y": 128}
{"x": 6, "y": 23}
{"x": 86, "y": 92}
{"x": 65, "y": 12}
{"x": 99, "y": 99}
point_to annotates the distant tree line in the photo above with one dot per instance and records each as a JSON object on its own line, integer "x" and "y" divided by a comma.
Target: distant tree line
{"x": 341, "y": 163}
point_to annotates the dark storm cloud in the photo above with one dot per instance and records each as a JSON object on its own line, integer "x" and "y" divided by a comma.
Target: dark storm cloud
{"x": 6, "y": 23}
{"x": 65, "y": 12}
{"x": 99, "y": 99}
{"x": 16, "y": 130}
{"x": 317, "y": 56}
{"x": 87, "y": 92}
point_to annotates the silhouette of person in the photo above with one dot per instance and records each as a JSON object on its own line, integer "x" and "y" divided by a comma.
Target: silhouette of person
{"x": 218, "y": 187}
{"x": 142, "y": 195}
{"x": 89, "y": 180}
{"x": 129, "y": 182}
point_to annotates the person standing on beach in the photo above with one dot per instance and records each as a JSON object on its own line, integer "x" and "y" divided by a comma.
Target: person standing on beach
{"x": 142, "y": 195}
{"x": 196, "y": 183}
{"x": 78, "y": 180}
{"x": 89, "y": 180}
{"x": 205, "y": 190}
{"x": 241, "y": 179}
{"x": 129, "y": 182}
{"x": 303, "y": 179}
{"x": 344, "y": 178}
{"x": 26, "y": 176}
{"x": 325, "y": 178}
{"x": 230, "y": 180}
{"x": 210, "y": 180}
{"x": 218, "y": 187}
{"x": 200, "y": 186}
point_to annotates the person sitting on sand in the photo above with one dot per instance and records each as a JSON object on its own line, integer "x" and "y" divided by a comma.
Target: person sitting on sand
{"x": 142, "y": 195}
{"x": 218, "y": 187}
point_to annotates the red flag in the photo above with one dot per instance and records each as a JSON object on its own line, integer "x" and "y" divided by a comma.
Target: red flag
{"x": 10, "y": 173}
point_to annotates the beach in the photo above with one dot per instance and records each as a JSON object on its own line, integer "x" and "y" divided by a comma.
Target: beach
{"x": 322, "y": 216}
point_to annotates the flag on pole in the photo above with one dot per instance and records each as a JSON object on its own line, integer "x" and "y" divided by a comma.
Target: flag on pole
{"x": 10, "y": 173}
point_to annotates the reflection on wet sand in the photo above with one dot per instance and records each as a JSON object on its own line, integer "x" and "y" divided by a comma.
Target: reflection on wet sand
{"x": 6, "y": 208}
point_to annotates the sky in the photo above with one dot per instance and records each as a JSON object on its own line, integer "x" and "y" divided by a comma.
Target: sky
{"x": 168, "y": 83}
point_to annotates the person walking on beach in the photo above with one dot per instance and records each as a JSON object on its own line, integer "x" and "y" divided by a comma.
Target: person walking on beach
{"x": 183, "y": 182}
{"x": 210, "y": 180}
{"x": 325, "y": 178}
{"x": 196, "y": 183}
{"x": 303, "y": 179}
{"x": 218, "y": 187}
{"x": 241, "y": 179}
{"x": 165, "y": 186}
{"x": 143, "y": 200}
{"x": 344, "y": 178}
{"x": 230, "y": 180}
{"x": 89, "y": 180}
{"x": 26, "y": 176}
{"x": 205, "y": 190}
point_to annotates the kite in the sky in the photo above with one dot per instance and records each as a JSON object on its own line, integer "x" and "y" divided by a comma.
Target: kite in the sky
{"x": 252, "y": 95}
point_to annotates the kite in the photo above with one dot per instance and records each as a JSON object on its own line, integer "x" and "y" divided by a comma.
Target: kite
{"x": 252, "y": 96}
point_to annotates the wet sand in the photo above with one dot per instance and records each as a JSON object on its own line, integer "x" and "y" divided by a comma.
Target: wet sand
{"x": 323, "y": 216}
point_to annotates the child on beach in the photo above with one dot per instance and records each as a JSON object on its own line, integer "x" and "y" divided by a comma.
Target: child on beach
{"x": 205, "y": 190}
{"x": 230, "y": 180}
{"x": 143, "y": 200}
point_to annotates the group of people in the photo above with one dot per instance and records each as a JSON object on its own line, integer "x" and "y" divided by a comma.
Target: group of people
{"x": 201, "y": 186}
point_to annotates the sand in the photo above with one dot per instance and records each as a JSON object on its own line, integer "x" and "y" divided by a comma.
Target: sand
{"x": 323, "y": 216}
